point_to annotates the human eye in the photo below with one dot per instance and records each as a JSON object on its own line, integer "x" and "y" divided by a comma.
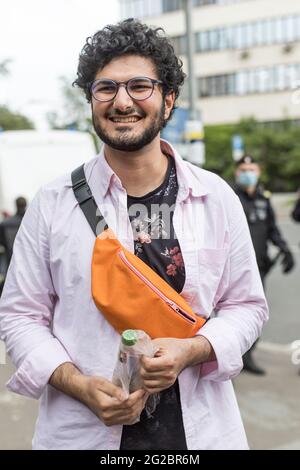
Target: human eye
{"x": 105, "y": 87}
{"x": 141, "y": 85}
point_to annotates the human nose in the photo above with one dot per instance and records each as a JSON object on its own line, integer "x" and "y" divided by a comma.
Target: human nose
{"x": 122, "y": 99}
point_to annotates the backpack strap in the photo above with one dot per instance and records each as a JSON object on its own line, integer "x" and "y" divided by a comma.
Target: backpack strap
{"x": 86, "y": 201}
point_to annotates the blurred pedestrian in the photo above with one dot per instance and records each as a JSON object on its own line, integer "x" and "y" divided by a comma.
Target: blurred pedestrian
{"x": 8, "y": 231}
{"x": 296, "y": 210}
{"x": 296, "y": 216}
{"x": 263, "y": 229}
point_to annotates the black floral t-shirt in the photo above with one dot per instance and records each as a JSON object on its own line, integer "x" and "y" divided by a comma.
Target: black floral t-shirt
{"x": 155, "y": 242}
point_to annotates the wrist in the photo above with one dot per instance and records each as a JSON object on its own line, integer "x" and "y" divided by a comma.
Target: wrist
{"x": 200, "y": 351}
{"x": 67, "y": 379}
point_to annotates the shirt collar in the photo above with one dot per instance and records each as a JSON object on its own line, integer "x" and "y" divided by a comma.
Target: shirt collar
{"x": 188, "y": 182}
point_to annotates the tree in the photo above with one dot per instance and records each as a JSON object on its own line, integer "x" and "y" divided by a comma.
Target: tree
{"x": 75, "y": 111}
{"x": 276, "y": 147}
{"x": 13, "y": 121}
{"x": 10, "y": 120}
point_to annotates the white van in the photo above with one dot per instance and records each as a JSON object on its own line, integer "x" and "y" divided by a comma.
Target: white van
{"x": 30, "y": 159}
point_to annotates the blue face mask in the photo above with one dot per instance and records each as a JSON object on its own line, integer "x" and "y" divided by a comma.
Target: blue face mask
{"x": 247, "y": 178}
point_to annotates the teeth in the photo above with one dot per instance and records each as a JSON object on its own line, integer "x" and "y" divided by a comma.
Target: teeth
{"x": 124, "y": 119}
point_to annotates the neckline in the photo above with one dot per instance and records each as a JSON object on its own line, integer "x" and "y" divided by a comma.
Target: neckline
{"x": 159, "y": 188}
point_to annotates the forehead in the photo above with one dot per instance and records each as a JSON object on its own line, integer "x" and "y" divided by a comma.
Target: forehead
{"x": 128, "y": 66}
{"x": 248, "y": 167}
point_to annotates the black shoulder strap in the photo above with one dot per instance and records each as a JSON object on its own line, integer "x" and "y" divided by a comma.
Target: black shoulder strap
{"x": 86, "y": 200}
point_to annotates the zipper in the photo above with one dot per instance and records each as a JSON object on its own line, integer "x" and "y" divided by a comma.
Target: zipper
{"x": 170, "y": 302}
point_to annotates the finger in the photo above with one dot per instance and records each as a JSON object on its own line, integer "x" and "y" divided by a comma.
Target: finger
{"x": 155, "y": 390}
{"x": 107, "y": 403}
{"x": 159, "y": 352}
{"x": 152, "y": 375}
{"x": 151, "y": 385}
{"x": 121, "y": 418}
{"x": 128, "y": 416}
{"x": 135, "y": 397}
{"x": 155, "y": 364}
{"x": 110, "y": 389}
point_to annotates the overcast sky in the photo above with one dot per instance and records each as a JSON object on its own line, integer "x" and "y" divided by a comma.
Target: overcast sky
{"x": 43, "y": 39}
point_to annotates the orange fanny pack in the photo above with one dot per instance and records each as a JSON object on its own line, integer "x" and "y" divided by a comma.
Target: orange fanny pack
{"x": 125, "y": 289}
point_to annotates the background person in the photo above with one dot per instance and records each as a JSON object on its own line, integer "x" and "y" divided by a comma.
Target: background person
{"x": 8, "y": 231}
{"x": 263, "y": 229}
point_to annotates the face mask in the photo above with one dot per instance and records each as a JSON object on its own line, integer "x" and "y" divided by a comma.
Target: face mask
{"x": 247, "y": 178}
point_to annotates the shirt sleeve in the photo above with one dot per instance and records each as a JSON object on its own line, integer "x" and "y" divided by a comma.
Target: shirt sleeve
{"x": 27, "y": 305}
{"x": 241, "y": 310}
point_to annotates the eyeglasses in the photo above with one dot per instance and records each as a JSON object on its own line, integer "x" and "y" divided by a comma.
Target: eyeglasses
{"x": 138, "y": 88}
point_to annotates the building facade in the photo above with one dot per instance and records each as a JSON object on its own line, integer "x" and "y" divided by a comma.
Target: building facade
{"x": 247, "y": 54}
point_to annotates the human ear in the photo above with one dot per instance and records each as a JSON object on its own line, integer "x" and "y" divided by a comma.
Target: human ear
{"x": 169, "y": 103}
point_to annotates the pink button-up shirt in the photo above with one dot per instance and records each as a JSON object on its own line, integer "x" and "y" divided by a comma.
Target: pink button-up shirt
{"x": 47, "y": 315}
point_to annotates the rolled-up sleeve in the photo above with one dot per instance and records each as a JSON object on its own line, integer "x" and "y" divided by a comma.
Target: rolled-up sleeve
{"x": 27, "y": 305}
{"x": 241, "y": 309}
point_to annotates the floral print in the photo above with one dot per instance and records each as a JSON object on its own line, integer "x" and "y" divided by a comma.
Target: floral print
{"x": 177, "y": 263}
{"x": 155, "y": 241}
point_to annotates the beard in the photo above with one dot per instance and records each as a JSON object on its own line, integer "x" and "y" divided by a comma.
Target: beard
{"x": 124, "y": 140}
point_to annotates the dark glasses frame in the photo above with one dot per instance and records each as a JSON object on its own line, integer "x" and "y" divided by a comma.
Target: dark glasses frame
{"x": 126, "y": 84}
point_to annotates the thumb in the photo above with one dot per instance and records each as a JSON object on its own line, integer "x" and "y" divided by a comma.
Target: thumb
{"x": 138, "y": 394}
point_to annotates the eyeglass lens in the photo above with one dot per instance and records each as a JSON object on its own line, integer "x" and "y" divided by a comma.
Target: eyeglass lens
{"x": 137, "y": 88}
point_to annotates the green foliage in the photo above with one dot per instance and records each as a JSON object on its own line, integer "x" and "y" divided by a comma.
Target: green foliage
{"x": 276, "y": 147}
{"x": 13, "y": 121}
{"x": 76, "y": 113}
{"x": 9, "y": 120}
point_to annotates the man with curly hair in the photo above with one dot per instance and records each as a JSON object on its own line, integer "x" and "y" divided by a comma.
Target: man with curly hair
{"x": 64, "y": 348}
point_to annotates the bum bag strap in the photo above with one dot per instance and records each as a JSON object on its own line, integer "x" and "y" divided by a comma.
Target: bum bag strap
{"x": 86, "y": 201}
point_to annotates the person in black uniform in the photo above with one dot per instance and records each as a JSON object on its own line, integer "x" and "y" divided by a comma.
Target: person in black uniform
{"x": 296, "y": 210}
{"x": 263, "y": 229}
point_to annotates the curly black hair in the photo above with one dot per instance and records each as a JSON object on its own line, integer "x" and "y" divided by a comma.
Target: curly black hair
{"x": 130, "y": 37}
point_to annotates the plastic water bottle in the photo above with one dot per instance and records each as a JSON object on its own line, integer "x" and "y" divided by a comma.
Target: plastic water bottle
{"x": 133, "y": 345}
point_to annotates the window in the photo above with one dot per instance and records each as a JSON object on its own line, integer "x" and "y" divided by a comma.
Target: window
{"x": 171, "y": 5}
{"x": 260, "y": 80}
{"x": 259, "y": 33}
{"x": 140, "y": 8}
{"x": 129, "y": 8}
{"x": 214, "y": 39}
{"x": 290, "y": 28}
{"x": 245, "y": 35}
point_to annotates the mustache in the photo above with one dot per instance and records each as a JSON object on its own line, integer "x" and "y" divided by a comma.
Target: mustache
{"x": 130, "y": 111}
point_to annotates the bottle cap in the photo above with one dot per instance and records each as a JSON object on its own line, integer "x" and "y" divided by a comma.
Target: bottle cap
{"x": 129, "y": 337}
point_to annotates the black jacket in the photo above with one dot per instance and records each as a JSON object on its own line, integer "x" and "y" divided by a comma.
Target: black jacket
{"x": 262, "y": 224}
{"x": 296, "y": 211}
{"x": 8, "y": 231}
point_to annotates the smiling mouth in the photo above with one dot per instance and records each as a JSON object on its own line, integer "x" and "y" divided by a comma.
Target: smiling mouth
{"x": 125, "y": 120}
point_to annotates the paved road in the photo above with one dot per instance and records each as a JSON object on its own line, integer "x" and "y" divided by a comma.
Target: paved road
{"x": 18, "y": 415}
{"x": 283, "y": 291}
{"x": 270, "y": 405}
